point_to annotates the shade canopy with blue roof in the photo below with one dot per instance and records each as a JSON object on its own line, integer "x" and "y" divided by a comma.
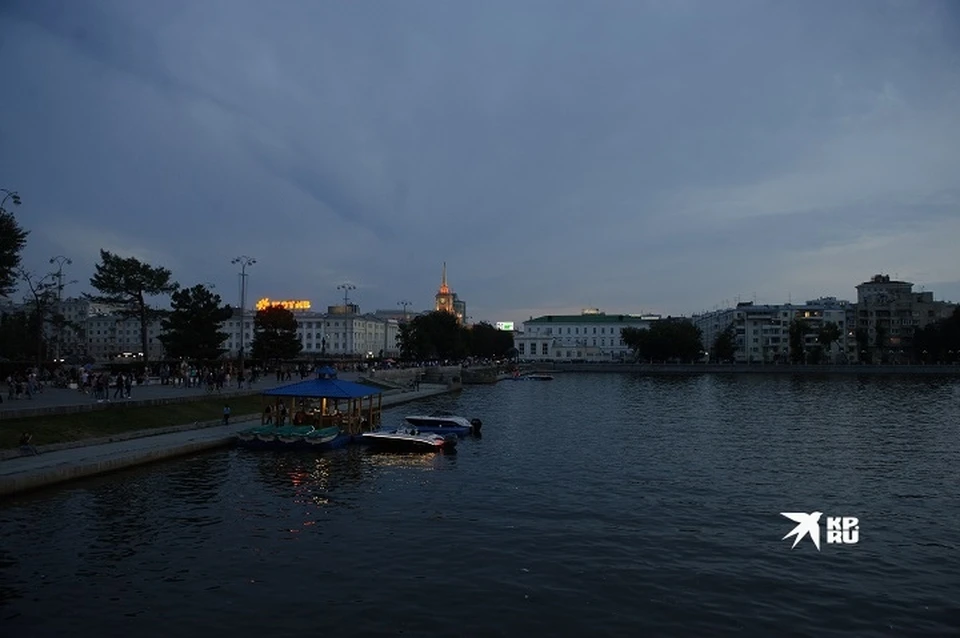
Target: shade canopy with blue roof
{"x": 318, "y": 402}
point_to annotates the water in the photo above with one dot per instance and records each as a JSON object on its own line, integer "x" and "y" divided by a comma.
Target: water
{"x": 594, "y": 505}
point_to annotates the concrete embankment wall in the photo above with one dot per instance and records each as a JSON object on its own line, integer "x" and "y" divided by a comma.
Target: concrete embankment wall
{"x": 408, "y": 376}
{"x": 653, "y": 369}
{"x": 64, "y": 462}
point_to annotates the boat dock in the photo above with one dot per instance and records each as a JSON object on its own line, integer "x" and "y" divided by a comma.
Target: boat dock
{"x": 64, "y": 462}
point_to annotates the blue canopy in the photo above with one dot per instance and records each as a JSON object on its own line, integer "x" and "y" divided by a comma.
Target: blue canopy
{"x": 324, "y": 389}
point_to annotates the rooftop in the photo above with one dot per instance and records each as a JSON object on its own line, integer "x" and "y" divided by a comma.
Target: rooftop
{"x": 592, "y": 318}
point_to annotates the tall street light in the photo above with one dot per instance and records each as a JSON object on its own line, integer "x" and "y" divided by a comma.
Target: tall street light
{"x": 346, "y": 288}
{"x": 244, "y": 261}
{"x": 13, "y": 196}
{"x": 60, "y": 261}
{"x": 404, "y": 304}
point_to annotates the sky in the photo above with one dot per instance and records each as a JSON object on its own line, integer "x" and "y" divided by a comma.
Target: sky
{"x": 635, "y": 156}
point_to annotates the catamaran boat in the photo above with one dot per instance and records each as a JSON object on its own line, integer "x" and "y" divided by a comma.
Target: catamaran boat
{"x": 445, "y": 423}
{"x": 410, "y": 439}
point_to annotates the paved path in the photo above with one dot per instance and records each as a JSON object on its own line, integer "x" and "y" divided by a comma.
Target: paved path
{"x": 62, "y": 400}
{"x": 26, "y": 472}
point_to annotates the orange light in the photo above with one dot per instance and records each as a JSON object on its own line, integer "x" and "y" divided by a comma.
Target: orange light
{"x": 289, "y": 304}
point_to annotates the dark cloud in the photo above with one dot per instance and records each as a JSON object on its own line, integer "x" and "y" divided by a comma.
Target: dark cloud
{"x": 636, "y": 156}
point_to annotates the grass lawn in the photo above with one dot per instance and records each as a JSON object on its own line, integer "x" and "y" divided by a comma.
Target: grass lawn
{"x": 60, "y": 428}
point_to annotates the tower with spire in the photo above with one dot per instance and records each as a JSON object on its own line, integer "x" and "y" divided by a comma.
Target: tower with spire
{"x": 446, "y": 299}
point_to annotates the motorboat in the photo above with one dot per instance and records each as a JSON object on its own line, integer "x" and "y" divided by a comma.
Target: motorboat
{"x": 410, "y": 439}
{"x": 539, "y": 376}
{"x": 445, "y": 422}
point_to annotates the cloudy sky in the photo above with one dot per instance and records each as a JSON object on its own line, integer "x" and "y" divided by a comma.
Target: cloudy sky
{"x": 636, "y": 156}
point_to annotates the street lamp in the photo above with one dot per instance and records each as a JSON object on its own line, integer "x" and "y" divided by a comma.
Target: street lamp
{"x": 244, "y": 261}
{"x": 346, "y": 288}
{"x": 61, "y": 261}
{"x": 404, "y": 304}
{"x": 14, "y": 196}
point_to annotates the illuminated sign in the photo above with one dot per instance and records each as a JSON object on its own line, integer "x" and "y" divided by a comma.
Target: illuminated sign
{"x": 504, "y": 325}
{"x": 296, "y": 304}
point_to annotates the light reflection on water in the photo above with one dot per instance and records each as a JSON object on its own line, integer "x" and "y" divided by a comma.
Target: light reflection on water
{"x": 594, "y": 505}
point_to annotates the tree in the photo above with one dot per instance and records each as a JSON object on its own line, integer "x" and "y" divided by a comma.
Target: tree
{"x": 880, "y": 341}
{"x": 17, "y": 335}
{"x": 667, "y": 339}
{"x": 127, "y": 282}
{"x": 863, "y": 345}
{"x": 488, "y": 342}
{"x": 435, "y": 335}
{"x": 798, "y": 347}
{"x": 12, "y": 240}
{"x": 936, "y": 341}
{"x": 41, "y": 300}
{"x": 725, "y": 345}
{"x": 275, "y": 334}
{"x": 829, "y": 334}
{"x": 192, "y": 329}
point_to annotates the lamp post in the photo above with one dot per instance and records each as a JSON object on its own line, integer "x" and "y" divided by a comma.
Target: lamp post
{"x": 14, "y": 196}
{"x": 60, "y": 260}
{"x": 346, "y": 288}
{"x": 244, "y": 261}
{"x": 404, "y": 304}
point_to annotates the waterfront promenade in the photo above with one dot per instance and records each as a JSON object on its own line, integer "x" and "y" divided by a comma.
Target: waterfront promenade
{"x": 756, "y": 368}
{"x": 63, "y": 462}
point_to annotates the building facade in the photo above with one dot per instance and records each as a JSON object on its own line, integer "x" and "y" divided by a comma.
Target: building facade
{"x": 99, "y": 331}
{"x": 589, "y": 336}
{"x": 889, "y": 313}
{"x": 340, "y": 332}
{"x": 762, "y": 332}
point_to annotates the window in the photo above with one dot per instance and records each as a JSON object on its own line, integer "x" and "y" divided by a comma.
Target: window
{"x": 522, "y": 345}
{"x": 594, "y": 330}
{"x": 543, "y": 349}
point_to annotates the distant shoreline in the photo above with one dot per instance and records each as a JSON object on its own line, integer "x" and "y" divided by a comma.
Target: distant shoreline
{"x": 770, "y": 368}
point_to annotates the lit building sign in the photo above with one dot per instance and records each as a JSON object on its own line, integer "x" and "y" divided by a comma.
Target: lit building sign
{"x": 294, "y": 304}
{"x": 504, "y": 325}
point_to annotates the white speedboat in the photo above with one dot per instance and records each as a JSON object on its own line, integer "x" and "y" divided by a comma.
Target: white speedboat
{"x": 409, "y": 439}
{"x": 442, "y": 422}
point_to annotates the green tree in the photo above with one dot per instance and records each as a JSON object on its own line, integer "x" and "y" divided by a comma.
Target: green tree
{"x": 192, "y": 329}
{"x": 435, "y": 335}
{"x": 798, "y": 347}
{"x": 275, "y": 335}
{"x": 667, "y": 339}
{"x": 12, "y": 240}
{"x": 488, "y": 342}
{"x": 725, "y": 345}
{"x": 880, "y": 341}
{"x": 17, "y": 335}
{"x": 829, "y": 334}
{"x": 41, "y": 299}
{"x": 863, "y": 345}
{"x": 936, "y": 341}
{"x": 128, "y": 282}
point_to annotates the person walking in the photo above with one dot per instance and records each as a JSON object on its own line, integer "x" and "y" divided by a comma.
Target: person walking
{"x": 226, "y": 414}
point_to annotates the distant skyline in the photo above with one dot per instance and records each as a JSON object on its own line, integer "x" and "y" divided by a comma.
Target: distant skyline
{"x": 655, "y": 156}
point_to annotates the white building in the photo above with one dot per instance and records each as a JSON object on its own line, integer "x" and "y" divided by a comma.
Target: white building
{"x": 590, "y": 336}
{"x": 97, "y": 330}
{"x": 762, "y": 332}
{"x": 337, "y": 333}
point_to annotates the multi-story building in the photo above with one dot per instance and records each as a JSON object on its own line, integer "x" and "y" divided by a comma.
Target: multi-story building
{"x": 343, "y": 331}
{"x": 591, "y": 336}
{"x": 762, "y": 332}
{"x": 889, "y": 313}
{"x": 102, "y": 332}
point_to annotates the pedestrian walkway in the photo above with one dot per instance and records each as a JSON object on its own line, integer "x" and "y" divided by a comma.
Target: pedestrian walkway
{"x": 63, "y": 400}
{"x": 55, "y": 466}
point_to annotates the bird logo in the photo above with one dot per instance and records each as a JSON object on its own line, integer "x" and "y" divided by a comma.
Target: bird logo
{"x": 806, "y": 524}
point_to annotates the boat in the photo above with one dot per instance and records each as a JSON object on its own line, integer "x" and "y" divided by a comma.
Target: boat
{"x": 539, "y": 376}
{"x": 444, "y": 422}
{"x": 409, "y": 439}
{"x": 293, "y": 436}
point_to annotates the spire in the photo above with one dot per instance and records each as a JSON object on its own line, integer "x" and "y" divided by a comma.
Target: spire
{"x": 444, "y": 288}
